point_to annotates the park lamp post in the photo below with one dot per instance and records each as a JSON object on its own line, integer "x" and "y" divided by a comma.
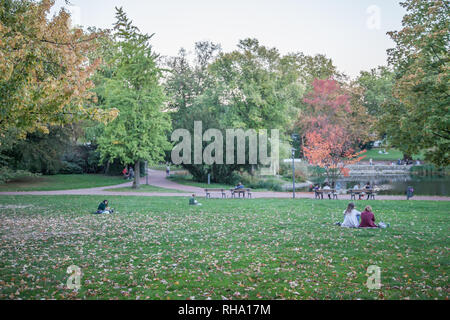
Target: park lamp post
{"x": 293, "y": 136}
{"x": 293, "y": 173}
{"x": 146, "y": 172}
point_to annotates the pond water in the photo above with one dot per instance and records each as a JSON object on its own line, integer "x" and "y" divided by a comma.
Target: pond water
{"x": 396, "y": 185}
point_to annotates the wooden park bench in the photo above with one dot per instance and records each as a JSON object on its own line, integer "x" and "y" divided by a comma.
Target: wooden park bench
{"x": 361, "y": 193}
{"x": 318, "y": 194}
{"x": 241, "y": 191}
{"x": 209, "y": 191}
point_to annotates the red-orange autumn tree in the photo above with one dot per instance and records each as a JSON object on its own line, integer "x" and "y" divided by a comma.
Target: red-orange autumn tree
{"x": 329, "y": 147}
{"x": 333, "y": 127}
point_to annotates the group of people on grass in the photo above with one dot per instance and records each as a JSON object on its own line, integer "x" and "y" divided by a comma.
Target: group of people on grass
{"x": 352, "y": 217}
{"x": 128, "y": 173}
{"x": 355, "y": 219}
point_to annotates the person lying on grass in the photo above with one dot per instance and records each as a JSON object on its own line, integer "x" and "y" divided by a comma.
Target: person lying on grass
{"x": 368, "y": 219}
{"x": 193, "y": 201}
{"x": 351, "y": 217}
{"x": 103, "y": 208}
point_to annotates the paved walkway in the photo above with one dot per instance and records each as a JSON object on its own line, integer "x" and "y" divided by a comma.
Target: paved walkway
{"x": 158, "y": 179}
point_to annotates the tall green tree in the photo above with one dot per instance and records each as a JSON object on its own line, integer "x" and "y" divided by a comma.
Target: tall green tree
{"x": 139, "y": 133}
{"x": 421, "y": 118}
{"x": 377, "y": 84}
{"x": 186, "y": 81}
{"x": 252, "y": 87}
{"x": 258, "y": 89}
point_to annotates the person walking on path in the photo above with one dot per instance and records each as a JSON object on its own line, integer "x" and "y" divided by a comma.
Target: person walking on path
{"x": 131, "y": 174}
{"x": 409, "y": 193}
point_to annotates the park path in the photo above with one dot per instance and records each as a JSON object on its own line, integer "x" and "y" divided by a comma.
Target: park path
{"x": 158, "y": 179}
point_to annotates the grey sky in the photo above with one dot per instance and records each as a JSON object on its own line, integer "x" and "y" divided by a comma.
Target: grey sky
{"x": 348, "y": 31}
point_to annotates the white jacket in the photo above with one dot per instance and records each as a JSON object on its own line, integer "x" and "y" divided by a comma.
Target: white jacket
{"x": 350, "y": 219}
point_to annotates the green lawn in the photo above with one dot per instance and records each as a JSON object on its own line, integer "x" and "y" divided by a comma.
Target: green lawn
{"x": 61, "y": 182}
{"x": 146, "y": 188}
{"x": 162, "y": 248}
{"x": 393, "y": 155}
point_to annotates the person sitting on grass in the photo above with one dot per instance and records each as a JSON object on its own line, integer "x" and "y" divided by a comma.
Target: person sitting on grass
{"x": 368, "y": 219}
{"x": 103, "y": 208}
{"x": 193, "y": 201}
{"x": 351, "y": 217}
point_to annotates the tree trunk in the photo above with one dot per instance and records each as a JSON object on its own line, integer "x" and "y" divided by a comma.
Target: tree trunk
{"x": 137, "y": 175}
{"x": 107, "y": 168}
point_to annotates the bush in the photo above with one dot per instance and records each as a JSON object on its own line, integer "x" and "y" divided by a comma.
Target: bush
{"x": 76, "y": 155}
{"x": 70, "y": 168}
{"x": 93, "y": 162}
{"x": 269, "y": 184}
{"x": 301, "y": 171}
{"x": 429, "y": 170}
{"x": 224, "y": 174}
{"x": 255, "y": 182}
{"x": 85, "y": 156}
{"x": 233, "y": 179}
{"x": 114, "y": 169}
{"x": 7, "y": 174}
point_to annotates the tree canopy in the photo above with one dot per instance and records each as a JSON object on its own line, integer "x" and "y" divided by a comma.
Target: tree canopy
{"x": 44, "y": 69}
{"x": 420, "y": 120}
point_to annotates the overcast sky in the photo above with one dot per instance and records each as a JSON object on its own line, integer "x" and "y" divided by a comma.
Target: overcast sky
{"x": 351, "y": 32}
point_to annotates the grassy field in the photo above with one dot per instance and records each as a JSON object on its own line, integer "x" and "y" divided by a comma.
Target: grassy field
{"x": 145, "y": 188}
{"x": 393, "y": 155}
{"x": 161, "y": 248}
{"x": 61, "y": 182}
